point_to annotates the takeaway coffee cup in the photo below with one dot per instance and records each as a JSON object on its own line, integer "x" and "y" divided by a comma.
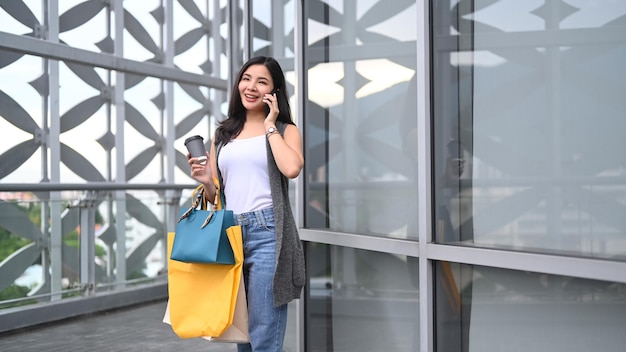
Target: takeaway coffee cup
{"x": 195, "y": 146}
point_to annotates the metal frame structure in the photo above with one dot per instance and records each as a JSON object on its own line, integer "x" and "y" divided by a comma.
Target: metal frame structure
{"x": 108, "y": 184}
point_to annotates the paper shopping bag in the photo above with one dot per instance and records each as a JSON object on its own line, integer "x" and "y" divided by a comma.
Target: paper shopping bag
{"x": 202, "y": 297}
{"x": 238, "y": 331}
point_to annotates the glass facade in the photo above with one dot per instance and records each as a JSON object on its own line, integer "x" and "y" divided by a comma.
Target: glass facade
{"x": 528, "y": 120}
{"x": 526, "y": 311}
{"x": 527, "y": 138}
{"x": 522, "y": 173}
{"x": 361, "y": 117}
{"x": 354, "y": 303}
{"x": 464, "y": 182}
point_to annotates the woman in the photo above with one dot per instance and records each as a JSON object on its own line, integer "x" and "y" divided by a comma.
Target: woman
{"x": 254, "y": 153}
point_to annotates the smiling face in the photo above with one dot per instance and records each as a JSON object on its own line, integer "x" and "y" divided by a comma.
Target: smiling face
{"x": 255, "y": 82}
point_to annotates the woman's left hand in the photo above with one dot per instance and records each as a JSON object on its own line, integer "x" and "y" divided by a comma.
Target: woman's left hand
{"x": 272, "y": 102}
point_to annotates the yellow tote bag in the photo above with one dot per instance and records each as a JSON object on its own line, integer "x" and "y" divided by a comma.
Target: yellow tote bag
{"x": 202, "y": 297}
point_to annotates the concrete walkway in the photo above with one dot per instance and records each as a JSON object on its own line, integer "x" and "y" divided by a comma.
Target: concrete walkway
{"x": 138, "y": 328}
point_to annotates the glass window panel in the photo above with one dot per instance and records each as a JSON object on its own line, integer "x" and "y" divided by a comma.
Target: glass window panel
{"x": 144, "y": 237}
{"x": 26, "y": 254}
{"x": 272, "y": 32}
{"x": 361, "y": 118}
{"x": 23, "y": 270}
{"x": 490, "y": 309}
{"x": 529, "y": 127}
{"x": 354, "y": 304}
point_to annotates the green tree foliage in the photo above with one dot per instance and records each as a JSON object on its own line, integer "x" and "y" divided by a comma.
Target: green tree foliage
{"x": 14, "y": 291}
{"x": 72, "y": 239}
{"x": 10, "y": 243}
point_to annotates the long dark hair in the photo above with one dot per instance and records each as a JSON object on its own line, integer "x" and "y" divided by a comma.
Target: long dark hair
{"x": 233, "y": 124}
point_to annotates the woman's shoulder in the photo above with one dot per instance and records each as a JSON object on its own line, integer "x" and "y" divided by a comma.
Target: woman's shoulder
{"x": 282, "y": 125}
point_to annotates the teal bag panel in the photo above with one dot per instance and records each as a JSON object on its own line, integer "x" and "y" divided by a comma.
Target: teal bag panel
{"x": 210, "y": 245}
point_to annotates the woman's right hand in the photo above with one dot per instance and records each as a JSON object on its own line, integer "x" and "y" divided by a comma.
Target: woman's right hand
{"x": 200, "y": 172}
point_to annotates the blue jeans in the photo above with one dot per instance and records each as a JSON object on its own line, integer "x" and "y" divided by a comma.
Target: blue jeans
{"x": 267, "y": 324}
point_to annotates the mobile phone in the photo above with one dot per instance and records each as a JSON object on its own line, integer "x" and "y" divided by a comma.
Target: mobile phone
{"x": 267, "y": 108}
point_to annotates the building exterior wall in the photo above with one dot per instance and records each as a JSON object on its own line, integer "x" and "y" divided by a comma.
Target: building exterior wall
{"x": 464, "y": 178}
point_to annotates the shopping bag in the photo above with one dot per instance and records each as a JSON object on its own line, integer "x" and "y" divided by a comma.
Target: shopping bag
{"x": 201, "y": 235}
{"x": 238, "y": 331}
{"x": 202, "y": 297}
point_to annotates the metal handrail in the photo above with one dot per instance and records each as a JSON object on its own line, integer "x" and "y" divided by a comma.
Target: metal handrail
{"x": 91, "y": 186}
{"x": 86, "y": 219}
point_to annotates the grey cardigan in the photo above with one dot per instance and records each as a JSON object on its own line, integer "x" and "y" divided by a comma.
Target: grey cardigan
{"x": 289, "y": 273}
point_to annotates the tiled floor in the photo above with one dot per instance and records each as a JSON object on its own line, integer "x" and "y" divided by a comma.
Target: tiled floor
{"x": 136, "y": 329}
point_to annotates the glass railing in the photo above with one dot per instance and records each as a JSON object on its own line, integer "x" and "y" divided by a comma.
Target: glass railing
{"x": 61, "y": 241}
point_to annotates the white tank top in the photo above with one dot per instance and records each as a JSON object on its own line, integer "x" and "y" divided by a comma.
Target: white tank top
{"x": 243, "y": 164}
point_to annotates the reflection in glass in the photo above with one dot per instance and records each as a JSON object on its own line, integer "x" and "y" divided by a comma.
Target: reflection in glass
{"x": 361, "y": 118}
{"x": 272, "y": 31}
{"x": 524, "y": 311}
{"x": 361, "y": 300}
{"x": 527, "y": 99}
